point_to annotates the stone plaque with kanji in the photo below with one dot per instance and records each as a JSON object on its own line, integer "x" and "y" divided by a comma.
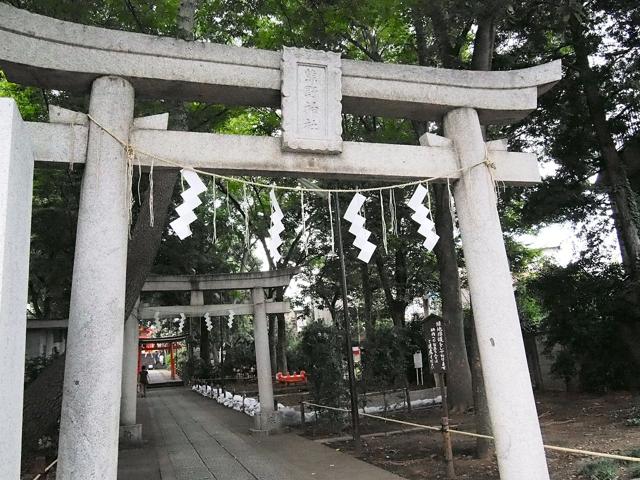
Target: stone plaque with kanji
{"x": 311, "y": 101}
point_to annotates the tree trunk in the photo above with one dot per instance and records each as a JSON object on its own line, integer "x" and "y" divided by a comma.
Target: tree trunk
{"x": 459, "y": 375}
{"x": 145, "y": 239}
{"x": 42, "y": 405}
{"x": 483, "y": 420}
{"x": 281, "y": 354}
{"x": 533, "y": 360}
{"x": 367, "y": 296}
{"x": 624, "y": 203}
{"x": 624, "y": 199}
{"x": 205, "y": 344}
{"x": 282, "y": 343}
{"x": 272, "y": 343}
{"x": 459, "y": 387}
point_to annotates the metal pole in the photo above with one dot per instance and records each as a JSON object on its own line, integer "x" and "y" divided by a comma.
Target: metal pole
{"x": 355, "y": 419}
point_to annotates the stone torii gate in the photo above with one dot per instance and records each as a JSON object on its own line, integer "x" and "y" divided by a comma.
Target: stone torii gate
{"x": 255, "y": 282}
{"x": 312, "y": 88}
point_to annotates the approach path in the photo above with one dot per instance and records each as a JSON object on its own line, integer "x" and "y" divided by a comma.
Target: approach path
{"x": 189, "y": 437}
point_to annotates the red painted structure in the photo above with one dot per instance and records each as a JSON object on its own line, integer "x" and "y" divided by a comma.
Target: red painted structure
{"x": 148, "y": 343}
{"x": 295, "y": 378}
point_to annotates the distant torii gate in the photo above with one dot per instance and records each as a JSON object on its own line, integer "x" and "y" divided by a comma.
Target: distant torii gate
{"x": 255, "y": 282}
{"x": 313, "y": 89}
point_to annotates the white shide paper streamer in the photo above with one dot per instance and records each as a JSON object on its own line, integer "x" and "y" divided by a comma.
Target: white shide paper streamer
{"x": 357, "y": 228}
{"x": 421, "y": 216}
{"x": 190, "y": 201}
{"x": 274, "y": 240}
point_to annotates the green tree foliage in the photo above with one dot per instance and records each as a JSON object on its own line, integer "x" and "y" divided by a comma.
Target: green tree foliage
{"x": 438, "y": 33}
{"x": 583, "y": 306}
{"x": 321, "y": 351}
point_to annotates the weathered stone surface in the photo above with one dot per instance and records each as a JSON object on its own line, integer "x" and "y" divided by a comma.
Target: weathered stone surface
{"x": 130, "y": 354}
{"x": 16, "y": 185}
{"x": 70, "y": 145}
{"x": 64, "y": 115}
{"x": 504, "y": 365}
{"x": 311, "y": 101}
{"x": 88, "y": 446}
{"x": 267, "y": 423}
{"x": 222, "y": 281}
{"x": 250, "y": 155}
{"x": 152, "y": 122}
{"x": 130, "y": 435}
{"x": 267, "y": 418}
{"x": 70, "y": 56}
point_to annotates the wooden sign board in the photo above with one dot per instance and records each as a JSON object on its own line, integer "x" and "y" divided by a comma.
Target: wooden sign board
{"x": 436, "y": 345}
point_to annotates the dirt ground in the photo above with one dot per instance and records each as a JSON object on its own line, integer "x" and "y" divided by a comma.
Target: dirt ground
{"x": 582, "y": 421}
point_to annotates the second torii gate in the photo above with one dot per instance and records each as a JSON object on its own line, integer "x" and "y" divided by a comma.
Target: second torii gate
{"x": 256, "y": 283}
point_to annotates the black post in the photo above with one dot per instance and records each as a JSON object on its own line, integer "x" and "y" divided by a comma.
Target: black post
{"x": 303, "y": 420}
{"x": 355, "y": 419}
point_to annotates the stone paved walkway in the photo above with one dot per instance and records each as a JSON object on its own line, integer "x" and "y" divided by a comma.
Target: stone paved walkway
{"x": 189, "y": 437}
{"x": 162, "y": 375}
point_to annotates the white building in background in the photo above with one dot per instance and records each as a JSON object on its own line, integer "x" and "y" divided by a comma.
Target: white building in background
{"x": 297, "y": 319}
{"x": 46, "y": 337}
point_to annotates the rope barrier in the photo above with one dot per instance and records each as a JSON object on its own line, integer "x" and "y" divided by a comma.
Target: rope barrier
{"x": 478, "y": 435}
{"x": 131, "y": 148}
{"x": 46, "y": 470}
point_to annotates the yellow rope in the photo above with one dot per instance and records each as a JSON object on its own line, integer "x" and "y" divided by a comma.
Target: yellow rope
{"x": 46, "y": 470}
{"x": 478, "y": 435}
{"x": 127, "y": 146}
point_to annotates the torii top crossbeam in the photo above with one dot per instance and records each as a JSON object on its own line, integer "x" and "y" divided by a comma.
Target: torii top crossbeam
{"x": 196, "y": 284}
{"x": 68, "y": 56}
{"x": 220, "y": 281}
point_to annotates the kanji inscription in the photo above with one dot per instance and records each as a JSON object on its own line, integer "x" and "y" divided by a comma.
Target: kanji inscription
{"x": 311, "y": 101}
{"x": 437, "y": 346}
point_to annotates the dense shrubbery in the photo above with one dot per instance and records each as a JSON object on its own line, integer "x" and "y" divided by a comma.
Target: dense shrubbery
{"x": 33, "y": 367}
{"x": 585, "y": 307}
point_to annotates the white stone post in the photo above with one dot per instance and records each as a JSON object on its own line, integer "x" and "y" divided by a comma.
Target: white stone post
{"x": 16, "y": 185}
{"x": 509, "y": 394}
{"x": 88, "y": 446}
{"x": 130, "y": 431}
{"x": 267, "y": 419}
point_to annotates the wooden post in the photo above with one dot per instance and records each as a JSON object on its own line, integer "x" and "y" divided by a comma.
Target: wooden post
{"x": 173, "y": 361}
{"x": 384, "y": 399}
{"x": 446, "y": 435}
{"x": 407, "y": 395}
{"x": 303, "y": 420}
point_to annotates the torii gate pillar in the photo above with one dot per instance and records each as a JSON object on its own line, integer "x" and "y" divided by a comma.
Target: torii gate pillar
{"x": 130, "y": 430}
{"x": 89, "y": 423}
{"x": 16, "y": 181}
{"x": 514, "y": 418}
{"x": 267, "y": 419}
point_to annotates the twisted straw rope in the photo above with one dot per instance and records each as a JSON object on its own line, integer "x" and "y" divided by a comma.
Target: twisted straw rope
{"x": 129, "y": 147}
{"x": 478, "y": 435}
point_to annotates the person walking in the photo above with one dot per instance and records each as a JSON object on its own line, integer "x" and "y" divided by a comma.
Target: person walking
{"x": 143, "y": 381}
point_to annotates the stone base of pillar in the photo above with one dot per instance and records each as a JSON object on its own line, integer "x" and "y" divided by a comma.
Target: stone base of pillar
{"x": 131, "y": 435}
{"x": 267, "y": 423}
